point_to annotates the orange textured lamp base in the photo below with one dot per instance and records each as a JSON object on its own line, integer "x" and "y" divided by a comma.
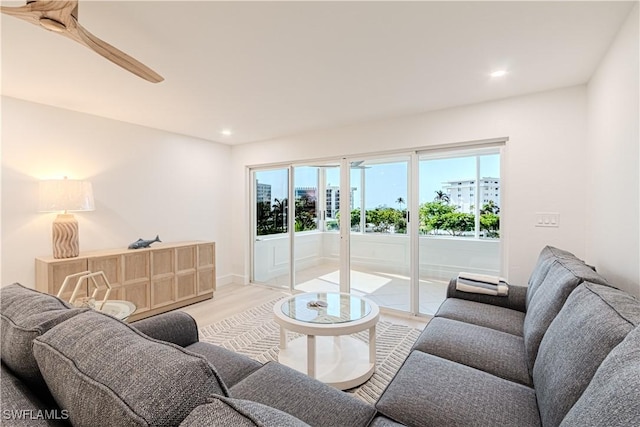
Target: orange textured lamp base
{"x": 65, "y": 237}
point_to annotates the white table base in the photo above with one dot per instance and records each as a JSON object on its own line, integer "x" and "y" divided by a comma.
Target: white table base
{"x": 340, "y": 361}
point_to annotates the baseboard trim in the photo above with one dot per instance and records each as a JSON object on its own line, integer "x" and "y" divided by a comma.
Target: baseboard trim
{"x": 230, "y": 279}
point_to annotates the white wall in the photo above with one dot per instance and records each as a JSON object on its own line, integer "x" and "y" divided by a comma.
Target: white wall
{"x": 145, "y": 182}
{"x": 545, "y": 160}
{"x": 613, "y": 160}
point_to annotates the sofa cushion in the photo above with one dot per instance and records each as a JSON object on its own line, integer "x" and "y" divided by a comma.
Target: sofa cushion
{"x": 382, "y": 421}
{"x": 563, "y": 277}
{"x": 22, "y": 408}
{"x": 543, "y": 264}
{"x": 26, "y": 314}
{"x": 175, "y": 327}
{"x": 223, "y": 411}
{"x": 297, "y": 394}
{"x": 495, "y": 352}
{"x": 477, "y": 313}
{"x": 104, "y": 372}
{"x": 592, "y": 322}
{"x": 232, "y": 367}
{"x": 431, "y": 391}
{"x": 611, "y": 399}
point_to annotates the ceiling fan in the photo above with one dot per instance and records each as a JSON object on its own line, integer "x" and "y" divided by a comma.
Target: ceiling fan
{"x": 62, "y": 17}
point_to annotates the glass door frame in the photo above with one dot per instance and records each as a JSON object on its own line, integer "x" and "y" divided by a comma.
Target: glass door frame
{"x": 345, "y": 226}
{"x": 403, "y": 156}
{"x": 253, "y": 216}
{"x": 477, "y": 150}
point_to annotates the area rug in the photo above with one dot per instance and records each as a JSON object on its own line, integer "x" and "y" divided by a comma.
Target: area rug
{"x": 255, "y": 334}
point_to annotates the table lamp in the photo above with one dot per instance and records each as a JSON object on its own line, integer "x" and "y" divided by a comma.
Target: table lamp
{"x": 65, "y": 195}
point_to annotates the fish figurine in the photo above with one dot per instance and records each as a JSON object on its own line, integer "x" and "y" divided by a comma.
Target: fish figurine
{"x": 140, "y": 243}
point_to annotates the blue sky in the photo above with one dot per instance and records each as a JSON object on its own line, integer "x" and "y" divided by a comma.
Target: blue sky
{"x": 386, "y": 182}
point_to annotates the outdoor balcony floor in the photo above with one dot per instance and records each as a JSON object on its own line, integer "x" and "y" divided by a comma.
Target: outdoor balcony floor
{"x": 388, "y": 290}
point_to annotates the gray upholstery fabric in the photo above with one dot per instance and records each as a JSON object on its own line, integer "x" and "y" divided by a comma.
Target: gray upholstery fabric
{"x": 612, "y": 398}
{"x": 382, "y": 421}
{"x": 232, "y": 367}
{"x": 222, "y": 412}
{"x": 515, "y": 300}
{"x": 106, "y": 373}
{"x": 563, "y": 277}
{"x": 547, "y": 256}
{"x": 592, "y": 322}
{"x": 495, "y": 352}
{"x": 309, "y": 400}
{"x": 490, "y": 316}
{"x": 431, "y": 391}
{"x": 21, "y": 408}
{"x": 26, "y": 314}
{"x": 175, "y": 326}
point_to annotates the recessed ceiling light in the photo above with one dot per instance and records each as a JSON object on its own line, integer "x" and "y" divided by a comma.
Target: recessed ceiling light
{"x": 226, "y": 132}
{"x": 498, "y": 73}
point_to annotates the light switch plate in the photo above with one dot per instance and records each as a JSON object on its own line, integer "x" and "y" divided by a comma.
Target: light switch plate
{"x": 547, "y": 219}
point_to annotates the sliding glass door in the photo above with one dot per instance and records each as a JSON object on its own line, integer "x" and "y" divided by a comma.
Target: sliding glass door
{"x": 394, "y": 229}
{"x": 316, "y": 236}
{"x": 271, "y": 247}
{"x": 379, "y": 250}
{"x": 459, "y": 219}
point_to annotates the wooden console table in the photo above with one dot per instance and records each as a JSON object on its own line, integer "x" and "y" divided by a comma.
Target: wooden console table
{"x": 160, "y": 278}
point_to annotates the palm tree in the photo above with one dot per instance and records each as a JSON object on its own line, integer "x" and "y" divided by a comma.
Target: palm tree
{"x": 401, "y": 202}
{"x": 441, "y": 196}
{"x": 280, "y": 210}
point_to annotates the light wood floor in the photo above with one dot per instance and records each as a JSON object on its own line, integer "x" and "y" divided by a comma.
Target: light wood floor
{"x": 229, "y": 300}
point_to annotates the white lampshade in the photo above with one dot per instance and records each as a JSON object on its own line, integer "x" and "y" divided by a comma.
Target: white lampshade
{"x": 65, "y": 195}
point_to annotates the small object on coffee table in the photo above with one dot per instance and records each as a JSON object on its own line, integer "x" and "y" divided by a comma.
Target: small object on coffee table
{"x": 85, "y": 302}
{"x": 317, "y": 304}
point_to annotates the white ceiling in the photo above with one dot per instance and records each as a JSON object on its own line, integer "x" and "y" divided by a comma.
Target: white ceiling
{"x": 270, "y": 69}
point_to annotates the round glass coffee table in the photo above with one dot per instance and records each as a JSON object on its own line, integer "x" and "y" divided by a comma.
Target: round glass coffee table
{"x": 327, "y": 352}
{"x": 118, "y": 308}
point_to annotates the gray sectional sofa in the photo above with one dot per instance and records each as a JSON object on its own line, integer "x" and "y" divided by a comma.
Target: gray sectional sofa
{"x": 563, "y": 351}
{"x": 62, "y": 365}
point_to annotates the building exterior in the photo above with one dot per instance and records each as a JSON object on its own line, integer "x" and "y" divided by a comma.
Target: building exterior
{"x": 333, "y": 201}
{"x": 310, "y": 192}
{"x": 462, "y": 193}
{"x": 332, "y": 193}
{"x": 263, "y": 193}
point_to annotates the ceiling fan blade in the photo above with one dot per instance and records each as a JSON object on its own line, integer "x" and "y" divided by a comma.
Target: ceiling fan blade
{"x": 82, "y": 36}
{"x": 20, "y": 12}
{"x": 33, "y": 12}
{"x": 62, "y": 17}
